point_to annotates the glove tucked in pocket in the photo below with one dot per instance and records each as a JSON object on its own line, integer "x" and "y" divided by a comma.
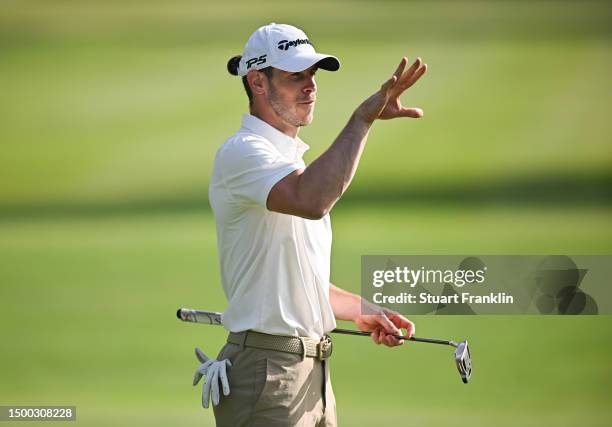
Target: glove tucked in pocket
{"x": 215, "y": 372}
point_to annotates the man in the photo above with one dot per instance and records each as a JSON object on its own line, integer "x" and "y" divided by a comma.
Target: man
{"x": 274, "y": 236}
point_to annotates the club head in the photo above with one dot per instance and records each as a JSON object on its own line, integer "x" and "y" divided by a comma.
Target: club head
{"x": 463, "y": 361}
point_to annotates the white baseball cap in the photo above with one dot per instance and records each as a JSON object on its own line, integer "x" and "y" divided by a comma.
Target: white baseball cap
{"x": 284, "y": 47}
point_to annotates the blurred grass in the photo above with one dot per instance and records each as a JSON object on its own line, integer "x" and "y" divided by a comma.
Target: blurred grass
{"x": 111, "y": 113}
{"x": 109, "y": 122}
{"x": 88, "y": 309}
{"x": 158, "y": 21}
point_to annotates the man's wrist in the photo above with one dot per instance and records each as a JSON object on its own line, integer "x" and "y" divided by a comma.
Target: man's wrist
{"x": 367, "y": 308}
{"x": 361, "y": 119}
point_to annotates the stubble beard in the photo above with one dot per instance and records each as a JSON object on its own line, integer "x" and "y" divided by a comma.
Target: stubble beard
{"x": 283, "y": 112}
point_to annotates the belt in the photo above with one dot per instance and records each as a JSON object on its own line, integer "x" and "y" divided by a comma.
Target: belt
{"x": 304, "y": 346}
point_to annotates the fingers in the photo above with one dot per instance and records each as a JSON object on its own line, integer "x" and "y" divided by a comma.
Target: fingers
{"x": 418, "y": 73}
{"x": 396, "y": 75}
{"x": 223, "y": 376}
{"x": 412, "y": 75}
{"x": 197, "y": 377}
{"x": 403, "y": 323}
{"x": 215, "y": 371}
{"x": 410, "y": 329}
{"x": 400, "y": 68}
{"x": 206, "y": 393}
{"x": 414, "y": 67}
{"x": 201, "y": 371}
{"x": 214, "y": 387}
{"x": 391, "y": 341}
{"x": 211, "y": 378}
{"x": 204, "y": 367}
{"x": 415, "y": 113}
{"x": 405, "y": 79}
{"x": 384, "y": 321}
{"x": 377, "y": 336}
{"x": 200, "y": 355}
{"x": 388, "y": 335}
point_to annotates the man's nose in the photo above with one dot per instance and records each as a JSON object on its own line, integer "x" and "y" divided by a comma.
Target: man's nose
{"x": 311, "y": 86}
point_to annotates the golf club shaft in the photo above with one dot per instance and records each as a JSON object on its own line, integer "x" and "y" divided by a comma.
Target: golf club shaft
{"x": 214, "y": 318}
{"x": 400, "y": 337}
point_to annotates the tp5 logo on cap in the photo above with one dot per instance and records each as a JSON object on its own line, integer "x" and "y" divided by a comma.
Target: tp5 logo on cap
{"x": 255, "y": 61}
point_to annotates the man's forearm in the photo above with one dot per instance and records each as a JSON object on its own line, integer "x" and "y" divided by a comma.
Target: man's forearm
{"x": 328, "y": 177}
{"x": 345, "y": 305}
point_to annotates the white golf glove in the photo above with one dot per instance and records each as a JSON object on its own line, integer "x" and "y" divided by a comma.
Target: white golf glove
{"x": 215, "y": 371}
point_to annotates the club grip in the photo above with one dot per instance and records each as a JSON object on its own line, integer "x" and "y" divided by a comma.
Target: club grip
{"x": 199, "y": 316}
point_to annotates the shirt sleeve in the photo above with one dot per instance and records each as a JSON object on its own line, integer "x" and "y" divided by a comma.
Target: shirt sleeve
{"x": 250, "y": 167}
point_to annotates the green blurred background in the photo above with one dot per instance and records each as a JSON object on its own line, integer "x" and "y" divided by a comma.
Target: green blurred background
{"x": 110, "y": 116}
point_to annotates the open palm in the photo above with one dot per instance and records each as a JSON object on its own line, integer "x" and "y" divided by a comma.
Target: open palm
{"x": 385, "y": 104}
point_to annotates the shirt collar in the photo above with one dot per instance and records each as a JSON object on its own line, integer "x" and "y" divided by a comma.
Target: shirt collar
{"x": 291, "y": 148}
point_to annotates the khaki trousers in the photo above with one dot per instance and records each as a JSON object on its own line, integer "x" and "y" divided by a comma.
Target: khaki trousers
{"x": 273, "y": 388}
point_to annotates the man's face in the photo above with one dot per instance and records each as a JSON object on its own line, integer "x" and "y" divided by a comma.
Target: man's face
{"x": 292, "y": 95}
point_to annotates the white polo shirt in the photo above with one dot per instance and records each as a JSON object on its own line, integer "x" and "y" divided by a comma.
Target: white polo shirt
{"x": 274, "y": 267}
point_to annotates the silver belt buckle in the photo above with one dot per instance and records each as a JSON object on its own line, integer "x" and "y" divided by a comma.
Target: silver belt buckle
{"x": 324, "y": 348}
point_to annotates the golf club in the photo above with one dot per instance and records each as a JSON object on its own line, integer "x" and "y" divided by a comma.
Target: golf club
{"x": 463, "y": 358}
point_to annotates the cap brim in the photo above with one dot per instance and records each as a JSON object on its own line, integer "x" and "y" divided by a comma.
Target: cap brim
{"x": 303, "y": 61}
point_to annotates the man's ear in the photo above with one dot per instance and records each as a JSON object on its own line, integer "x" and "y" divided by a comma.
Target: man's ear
{"x": 257, "y": 82}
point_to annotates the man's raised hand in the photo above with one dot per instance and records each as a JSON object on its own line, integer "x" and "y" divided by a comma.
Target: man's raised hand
{"x": 385, "y": 104}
